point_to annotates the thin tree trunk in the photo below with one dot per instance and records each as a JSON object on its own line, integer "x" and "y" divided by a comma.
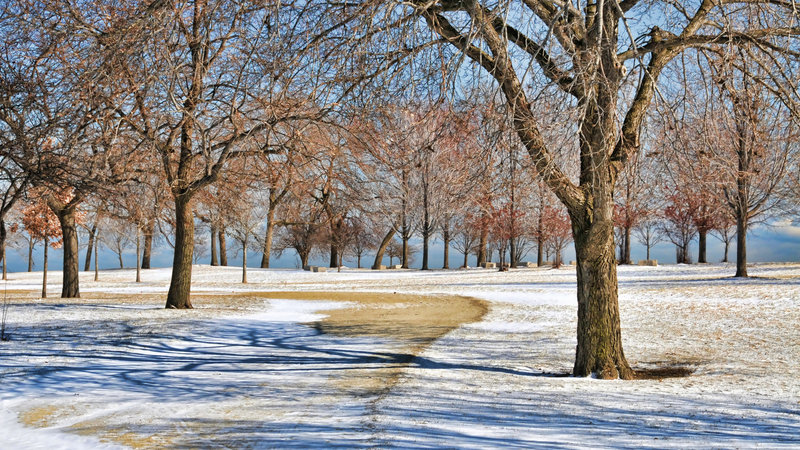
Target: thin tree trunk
{"x": 446, "y": 239}
{"x": 96, "y": 264}
{"x": 30, "y": 254}
{"x": 466, "y": 258}
{"x": 405, "y": 252}
{"x": 69, "y": 232}
{"x": 44, "y": 270}
{"x": 148, "y": 245}
{"x": 741, "y": 246}
{"x": 138, "y": 261}
{"x": 214, "y": 259}
{"x": 727, "y": 246}
{"x": 539, "y": 242}
{"x": 358, "y": 259}
{"x": 599, "y": 347}
{"x": 387, "y": 239}
{"x": 268, "y": 239}
{"x": 425, "y": 243}
{"x": 304, "y": 259}
{"x": 87, "y": 266}
{"x": 627, "y": 255}
{"x": 223, "y": 252}
{"x": 179, "y": 293}
{"x": 648, "y": 251}
{"x": 121, "y": 263}
{"x": 244, "y": 261}
{"x": 701, "y": 254}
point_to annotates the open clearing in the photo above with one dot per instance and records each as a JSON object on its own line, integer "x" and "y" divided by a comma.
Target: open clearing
{"x": 471, "y": 359}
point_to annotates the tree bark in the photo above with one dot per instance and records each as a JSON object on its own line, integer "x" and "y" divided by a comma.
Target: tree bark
{"x": 138, "y": 254}
{"x": 405, "y": 252}
{"x": 446, "y": 239}
{"x": 244, "y": 261}
{"x": 44, "y": 269}
{"x": 121, "y": 263}
{"x": 268, "y": 239}
{"x": 425, "y": 243}
{"x": 87, "y": 266}
{"x": 148, "y": 245}
{"x": 214, "y": 260}
{"x": 30, "y": 254}
{"x": 334, "y": 260}
{"x": 96, "y": 264}
{"x": 727, "y": 247}
{"x": 179, "y": 293}
{"x": 627, "y": 246}
{"x": 3, "y": 249}
{"x": 599, "y": 348}
{"x": 466, "y": 258}
{"x": 482, "y": 245}
{"x": 223, "y": 252}
{"x": 701, "y": 244}
{"x": 382, "y": 249}
{"x": 741, "y": 246}
{"x": 69, "y": 233}
{"x": 304, "y": 259}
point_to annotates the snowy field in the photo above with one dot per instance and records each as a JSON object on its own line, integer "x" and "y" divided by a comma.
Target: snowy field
{"x": 114, "y": 369}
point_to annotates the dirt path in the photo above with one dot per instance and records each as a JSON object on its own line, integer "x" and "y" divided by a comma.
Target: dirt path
{"x": 404, "y": 324}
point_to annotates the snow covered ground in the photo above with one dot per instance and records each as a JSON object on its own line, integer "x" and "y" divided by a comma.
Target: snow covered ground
{"x": 116, "y": 369}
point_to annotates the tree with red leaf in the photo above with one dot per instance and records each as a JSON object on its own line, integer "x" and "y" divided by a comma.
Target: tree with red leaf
{"x": 41, "y": 223}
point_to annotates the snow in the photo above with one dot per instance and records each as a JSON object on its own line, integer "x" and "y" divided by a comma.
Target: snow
{"x": 85, "y": 373}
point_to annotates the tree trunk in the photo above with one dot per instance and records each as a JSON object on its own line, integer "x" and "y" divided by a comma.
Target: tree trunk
{"x": 87, "y": 266}
{"x": 69, "y": 234}
{"x": 3, "y": 249}
{"x": 148, "y": 245}
{"x": 121, "y": 263}
{"x": 382, "y": 249}
{"x": 138, "y": 261}
{"x": 425, "y": 243}
{"x": 30, "y": 254}
{"x": 96, "y": 264}
{"x": 223, "y": 252}
{"x": 44, "y": 269}
{"x": 268, "y": 239}
{"x": 334, "y": 256}
{"x": 701, "y": 244}
{"x": 244, "y": 262}
{"x": 405, "y": 252}
{"x": 648, "y": 251}
{"x": 482, "y": 246}
{"x": 180, "y": 284}
{"x": 539, "y": 242}
{"x": 627, "y": 249}
{"x": 358, "y": 260}
{"x": 727, "y": 246}
{"x": 214, "y": 259}
{"x": 741, "y": 245}
{"x": 446, "y": 239}
{"x": 304, "y": 259}
{"x": 466, "y": 257}
{"x": 599, "y": 348}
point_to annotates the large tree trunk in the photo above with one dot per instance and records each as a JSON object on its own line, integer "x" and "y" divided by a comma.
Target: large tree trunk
{"x": 214, "y": 260}
{"x": 71, "y": 268}
{"x": 701, "y": 244}
{"x": 148, "y": 245}
{"x": 223, "y": 247}
{"x": 599, "y": 349}
{"x": 741, "y": 245}
{"x": 268, "y": 239}
{"x": 180, "y": 284}
{"x": 87, "y": 266}
{"x": 425, "y": 243}
{"x": 304, "y": 259}
{"x": 387, "y": 239}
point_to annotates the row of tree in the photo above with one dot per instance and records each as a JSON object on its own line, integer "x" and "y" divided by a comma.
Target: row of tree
{"x": 403, "y": 117}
